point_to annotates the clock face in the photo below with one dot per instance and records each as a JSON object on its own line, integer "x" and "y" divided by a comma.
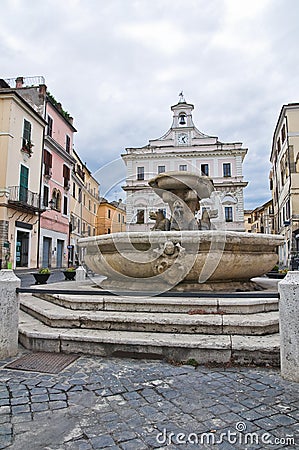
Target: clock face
{"x": 183, "y": 138}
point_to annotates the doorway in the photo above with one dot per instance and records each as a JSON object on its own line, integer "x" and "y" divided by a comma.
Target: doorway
{"x": 60, "y": 245}
{"x": 22, "y": 249}
{"x": 47, "y": 247}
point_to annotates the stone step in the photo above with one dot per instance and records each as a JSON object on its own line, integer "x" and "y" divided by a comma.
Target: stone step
{"x": 225, "y": 349}
{"x": 240, "y": 324}
{"x": 181, "y": 304}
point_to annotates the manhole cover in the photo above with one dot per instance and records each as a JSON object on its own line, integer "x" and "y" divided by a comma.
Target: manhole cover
{"x": 43, "y": 362}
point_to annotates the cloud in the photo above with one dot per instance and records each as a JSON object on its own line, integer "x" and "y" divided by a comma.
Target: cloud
{"x": 118, "y": 66}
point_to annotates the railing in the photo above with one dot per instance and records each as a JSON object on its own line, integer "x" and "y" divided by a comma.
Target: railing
{"x": 244, "y": 295}
{"x": 22, "y": 197}
{"x": 27, "y": 81}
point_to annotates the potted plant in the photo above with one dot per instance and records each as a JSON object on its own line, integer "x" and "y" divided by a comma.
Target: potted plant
{"x": 277, "y": 273}
{"x": 27, "y": 148}
{"x": 41, "y": 277}
{"x": 70, "y": 273}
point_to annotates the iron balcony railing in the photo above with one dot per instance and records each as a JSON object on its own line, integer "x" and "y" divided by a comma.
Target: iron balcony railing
{"x": 21, "y": 197}
{"x": 27, "y": 81}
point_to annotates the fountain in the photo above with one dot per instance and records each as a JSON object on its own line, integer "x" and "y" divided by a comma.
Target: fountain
{"x": 182, "y": 253}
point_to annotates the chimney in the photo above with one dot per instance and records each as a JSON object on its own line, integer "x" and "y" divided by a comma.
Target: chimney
{"x": 42, "y": 90}
{"x": 19, "y": 82}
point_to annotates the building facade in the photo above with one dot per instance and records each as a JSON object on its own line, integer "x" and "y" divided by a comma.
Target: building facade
{"x": 52, "y": 188}
{"x": 284, "y": 183}
{"x": 260, "y": 219}
{"x": 111, "y": 217}
{"x": 184, "y": 148}
{"x": 247, "y": 220}
{"x": 21, "y": 143}
{"x": 56, "y": 184}
{"x": 84, "y": 205}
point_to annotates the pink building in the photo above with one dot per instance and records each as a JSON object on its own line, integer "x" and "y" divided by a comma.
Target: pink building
{"x": 56, "y": 174}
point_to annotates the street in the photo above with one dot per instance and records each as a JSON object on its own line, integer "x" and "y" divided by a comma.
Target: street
{"x": 27, "y": 278}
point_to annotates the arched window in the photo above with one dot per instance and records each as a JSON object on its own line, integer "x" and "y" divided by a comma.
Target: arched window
{"x": 56, "y": 199}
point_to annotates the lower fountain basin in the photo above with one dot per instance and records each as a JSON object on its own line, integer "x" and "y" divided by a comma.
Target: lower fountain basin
{"x": 179, "y": 260}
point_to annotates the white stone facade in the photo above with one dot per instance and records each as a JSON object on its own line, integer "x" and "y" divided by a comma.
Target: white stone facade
{"x": 184, "y": 147}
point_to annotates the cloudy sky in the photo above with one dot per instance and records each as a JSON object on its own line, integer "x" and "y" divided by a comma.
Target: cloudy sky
{"x": 117, "y": 66}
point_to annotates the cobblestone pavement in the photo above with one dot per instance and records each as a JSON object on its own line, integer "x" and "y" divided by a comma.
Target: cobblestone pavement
{"x": 127, "y": 404}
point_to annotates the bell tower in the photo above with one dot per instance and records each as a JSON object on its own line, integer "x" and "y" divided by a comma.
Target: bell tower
{"x": 182, "y": 114}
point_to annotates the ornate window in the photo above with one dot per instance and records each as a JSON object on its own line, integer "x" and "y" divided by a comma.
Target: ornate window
{"x": 140, "y": 216}
{"x": 227, "y": 170}
{"x": 228, "y": 210}
{"x": 204, "y": 169}
{"x": 140, "y": 173}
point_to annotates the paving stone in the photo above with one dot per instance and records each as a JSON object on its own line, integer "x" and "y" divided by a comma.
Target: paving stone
{"x": 61, "y": 396}
{"x": 5, "y": 441}
{"x": 4, "y": 394}
{"x": 4, "y": 401}
{"x": 124, "y": 436}
{"x": 4, "y": 410}
{"x": 103, "y": 441}
{"x": 36, "y": 407}
{"x": 6, "y": 428}
{"x": 19, "y": 393}
{"x": 136, "y": 444}
{"x": 39, "y": 398}
{"x": 20, "y": 409}
{"x": 58, "y": 404}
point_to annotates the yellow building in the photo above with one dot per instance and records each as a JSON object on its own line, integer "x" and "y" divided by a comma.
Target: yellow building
{"x": 84, "y": 206}
{"x": 247, "y": 220}
{"x": 284, "y": 182}
{"x": 111, "y": 217}
{"x": 262, "y": 218}
{"x": 21, "y": 145}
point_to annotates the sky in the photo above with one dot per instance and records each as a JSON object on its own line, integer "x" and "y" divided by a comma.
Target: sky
{"x": 118, "y": 66}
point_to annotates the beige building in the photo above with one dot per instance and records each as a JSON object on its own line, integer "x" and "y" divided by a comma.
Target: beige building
{"x": 284, "y": 183}
{"x": 21, "y": 144}
{"x": 84, "y": 205}
{"x": 260, "y": 219}
{"x": 247, "y": 220}
{"x": 111, "y": 217}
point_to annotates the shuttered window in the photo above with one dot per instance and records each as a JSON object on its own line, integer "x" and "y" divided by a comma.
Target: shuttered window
{"x": 26, "y": 132}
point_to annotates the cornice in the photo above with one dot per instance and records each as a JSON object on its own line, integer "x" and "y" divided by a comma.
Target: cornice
{"x": 54, "y": 146}
{"x": 185, "y": 154}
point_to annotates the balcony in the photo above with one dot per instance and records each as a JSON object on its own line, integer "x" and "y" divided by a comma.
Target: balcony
{"x": 22, "y": 199}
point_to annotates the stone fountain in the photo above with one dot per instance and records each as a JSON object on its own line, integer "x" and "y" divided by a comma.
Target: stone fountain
{"x": 186, "y": 252}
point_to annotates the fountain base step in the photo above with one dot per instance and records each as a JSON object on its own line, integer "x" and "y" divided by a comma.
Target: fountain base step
{"x": 207, "y": 330}
{"x": 196, "y": 321}
{"x": 204, "y": 349}
{"x": 181, "y": 304}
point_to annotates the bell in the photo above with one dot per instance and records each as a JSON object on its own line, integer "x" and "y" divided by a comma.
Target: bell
{"x": 182, "y": 120}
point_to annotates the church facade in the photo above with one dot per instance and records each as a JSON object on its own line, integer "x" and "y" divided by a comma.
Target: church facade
{"x": 184, "y": 148}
